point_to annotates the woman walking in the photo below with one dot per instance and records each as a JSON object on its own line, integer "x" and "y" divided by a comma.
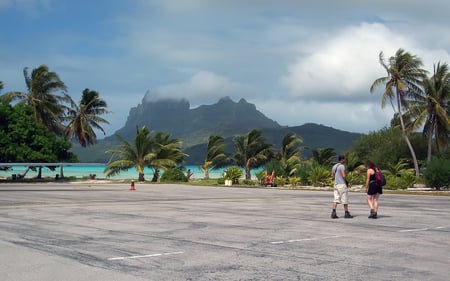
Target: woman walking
{"x": 373, "y": 189}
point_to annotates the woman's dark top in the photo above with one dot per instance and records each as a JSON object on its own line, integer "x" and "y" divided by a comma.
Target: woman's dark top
{"x": 373, "y": 188}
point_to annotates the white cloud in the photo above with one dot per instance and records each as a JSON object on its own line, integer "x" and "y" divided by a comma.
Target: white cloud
{"x": 343, "y": 66}
{"x": 203, "y": 87}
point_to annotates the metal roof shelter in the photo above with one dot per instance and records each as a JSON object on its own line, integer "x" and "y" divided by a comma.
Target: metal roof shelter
{"x": 59, "y": 164}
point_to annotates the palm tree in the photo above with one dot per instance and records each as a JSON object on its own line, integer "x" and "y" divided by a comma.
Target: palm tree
{"x": 432, "y": 109}
{"x": 132, "y": 155}
{"x": 352, "y": 162}
{"x": 167, "y": 153}
{"x": 1, "y": 85}
{"x": 324, "y": 156}
{"x": 85, "y": 117}
{"x": 215, "y": 156}
{"x": 289, "y": 155}
{"x": 404, "y": 79}
{"x": 252, "y": 151}
{"x": 49, "y": 107}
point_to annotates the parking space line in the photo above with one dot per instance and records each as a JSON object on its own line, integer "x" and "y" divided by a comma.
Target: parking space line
{"x": 145, "y": 256}
{"x": 304, "y": 239}
{"x": 420, "y": 229}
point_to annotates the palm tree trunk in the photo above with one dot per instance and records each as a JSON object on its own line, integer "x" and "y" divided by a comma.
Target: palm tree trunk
{"x": 141, "y": 177}
{"x": 430, "y": 143}
{"x": 39, "y": 175}
{"x": 155, "y": 175}
{"x": 405, "y": 135}
{"x": 247, "y": 172}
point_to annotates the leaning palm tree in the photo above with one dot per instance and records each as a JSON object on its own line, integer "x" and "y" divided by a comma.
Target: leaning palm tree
{"x": 136, "y": 155}
{"x": 404, "y": 79}
{"x": 48, "y": 105}
{"x": 252, "y": 151}
{"x": 289, "y": 155}
{"x": 167, "y": 153}
{"x": 215, "y": 155}
{"x": 85, "y": 117}
{"x": 432, "y": 112}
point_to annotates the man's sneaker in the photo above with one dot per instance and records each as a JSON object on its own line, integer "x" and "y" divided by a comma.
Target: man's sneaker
{"x": 348, "y": 216}
{"x": 334, "y": 215}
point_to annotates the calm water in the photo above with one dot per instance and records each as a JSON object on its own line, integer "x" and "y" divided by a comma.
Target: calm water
{"x": 85, "y": 171}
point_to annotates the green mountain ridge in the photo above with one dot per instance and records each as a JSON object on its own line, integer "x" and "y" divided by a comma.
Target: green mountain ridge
{"x": 225, "y": 118}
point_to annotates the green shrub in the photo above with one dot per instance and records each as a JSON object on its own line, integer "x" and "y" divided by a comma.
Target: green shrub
{"x": 173, "y": 175}
{"x": 260, "y": 176}
{"x": 234, "y": 174}
{"x": 303, "y": 173}
{"x": 294, "y": 181}
{"x": 320, "y": 176}
{"x": 280, "y": 181}
{"x": 249, "y": 182}
{"x": 437, "y": 173}
{"x": 221, "y": 181}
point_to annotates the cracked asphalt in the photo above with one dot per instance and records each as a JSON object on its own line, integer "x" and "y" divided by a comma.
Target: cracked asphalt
{"x": 88, "y": 231}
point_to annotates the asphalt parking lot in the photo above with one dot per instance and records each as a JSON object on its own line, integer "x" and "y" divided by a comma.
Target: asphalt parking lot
{"x": 159, "y": 232}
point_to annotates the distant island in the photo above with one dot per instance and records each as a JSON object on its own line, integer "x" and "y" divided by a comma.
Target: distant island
{"x": 226, "y": 118}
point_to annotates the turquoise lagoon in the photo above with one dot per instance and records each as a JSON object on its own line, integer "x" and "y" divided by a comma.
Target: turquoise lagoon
{"x": 83, "y": 171}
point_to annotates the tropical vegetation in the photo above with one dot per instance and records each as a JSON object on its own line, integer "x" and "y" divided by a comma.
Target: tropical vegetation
{"x": 216, "y": 156}
{"x": 158, "y": 151}
{"x": 414, "y": 148}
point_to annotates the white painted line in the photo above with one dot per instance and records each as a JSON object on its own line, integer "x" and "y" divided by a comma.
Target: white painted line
{"x": 304, "y": 239}
{"x": 413, "y": 230}
{"x": 440, "y": 227}
{"x": 145, "y": 256}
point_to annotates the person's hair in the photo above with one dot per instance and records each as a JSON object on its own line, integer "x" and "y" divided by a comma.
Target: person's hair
{"x": 341, "y": 157}
{"x": 370, "y": 164}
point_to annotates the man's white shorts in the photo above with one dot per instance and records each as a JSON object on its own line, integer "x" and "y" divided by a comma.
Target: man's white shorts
{"x": 340, "y": 194}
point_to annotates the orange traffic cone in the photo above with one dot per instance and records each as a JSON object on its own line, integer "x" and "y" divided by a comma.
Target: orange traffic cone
{"x": 132, "y": 185}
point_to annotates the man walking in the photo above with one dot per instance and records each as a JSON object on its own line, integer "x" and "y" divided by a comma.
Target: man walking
{"x": 340, "y": 187}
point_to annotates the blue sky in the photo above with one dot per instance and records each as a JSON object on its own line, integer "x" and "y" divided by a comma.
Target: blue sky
{"x": 297, "y": 61}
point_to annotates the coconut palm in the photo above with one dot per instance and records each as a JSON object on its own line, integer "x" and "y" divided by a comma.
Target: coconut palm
{"x": 403, "y": 81}
{"x": 215, "y": 155}
{"x": 323, "y": 156}
{"x": 252, "y": 151}
{"x": 432, "y": 109}
{"x": 48, "y": 105}
{"x": 289, "y": 155}
{"x": 85, "y": 117}
{"x": 167, "y": 153}
{"x": 132, "y": 155}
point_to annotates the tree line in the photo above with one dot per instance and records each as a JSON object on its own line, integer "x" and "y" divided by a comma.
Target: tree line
{"x": 418, "y": 101}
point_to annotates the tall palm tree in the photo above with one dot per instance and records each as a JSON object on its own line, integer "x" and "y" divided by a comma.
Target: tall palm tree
{"x": 49, "y": 106}
{"x": 252, "y": 151}
{"x": 289, "y": 155}
{"x": 404, "y": 79}
{"x": 432, "y": 110}
{"x": 132, "y": 155}
{"x": 167, "y": 153}
{"x": 215, "y": 155}
{"x": 85, "y": 117}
